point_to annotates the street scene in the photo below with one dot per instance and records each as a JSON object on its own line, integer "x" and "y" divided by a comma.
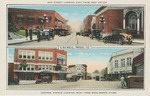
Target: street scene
{"x": 69, "y": 25}
{"x": 94, "y": 68}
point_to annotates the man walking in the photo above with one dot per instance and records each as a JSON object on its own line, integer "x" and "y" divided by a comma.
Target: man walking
{"x": 26, "y": 30}
{"x": 30, "y": 33}
{"x": 123, "y": 84}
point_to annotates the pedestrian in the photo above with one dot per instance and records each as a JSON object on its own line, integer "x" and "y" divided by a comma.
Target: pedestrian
{"x": 38, "y": 33}
{"x": 123, "y": 84}
{"x": 30, "y": 33}
{"x": 26, "y": 30}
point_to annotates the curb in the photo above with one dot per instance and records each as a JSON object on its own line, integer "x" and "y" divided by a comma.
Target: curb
{"x": 21, "y": 42}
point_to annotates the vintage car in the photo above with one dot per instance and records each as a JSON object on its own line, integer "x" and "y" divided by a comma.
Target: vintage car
{"x": 72, "y": 78}
{"x": 47, "y": 79}
{"x": 45, "y": 34}
{"x": 119, "y": 36}
{"x": 13, "y": 81}
{"x": 78, "y": 33}
{"x": 134, "y": 81}
{"x": 96, "y": 34}
{"x": 63, "y": 33}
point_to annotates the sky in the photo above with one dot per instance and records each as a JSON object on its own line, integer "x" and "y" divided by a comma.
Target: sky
{"x": 95, "y": 58}
{"x": 75, "y": 14}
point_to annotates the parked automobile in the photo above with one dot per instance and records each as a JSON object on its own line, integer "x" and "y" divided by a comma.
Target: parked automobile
{"x": 134, "y": 81}
{"x": 45, "y": 34}
{"x": 47, "y": 79}
{"x": 86, "y": 34}
{"x": 96, "y": 34}
{"x": 78, "y": 33}
{"x": 13, "y": 81}
{"x": 63, "y": 33}
{"x": 119, "y": 36}
{"x": 72, "y": 78}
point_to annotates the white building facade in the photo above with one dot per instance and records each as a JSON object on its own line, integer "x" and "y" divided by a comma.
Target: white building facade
{"x": 121, "y": 62}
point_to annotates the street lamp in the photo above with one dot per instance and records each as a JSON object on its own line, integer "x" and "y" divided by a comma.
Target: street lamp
{"x": 102, "y": 21}
{"x": 44, "y": 19}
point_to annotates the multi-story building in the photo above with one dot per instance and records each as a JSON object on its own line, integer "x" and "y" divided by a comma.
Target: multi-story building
{"x": 24, "y": 18}
{"x": 121, "y": 62}
{"x": 93, "y": 23}
{"x": 80, "y": 70}
{"x": 110, "y": 17}
{"x": 38, "y": 61}
{"x": 138, "y": 65}
{"x": 87, "y": 23}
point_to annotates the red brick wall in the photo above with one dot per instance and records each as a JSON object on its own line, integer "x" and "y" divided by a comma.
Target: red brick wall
{"x": 36, "y": 13}
{"x": 10, "y": 70}
{"x": 54, "y": 61}
{"x": 87, "y": 22}
{"x": 113, "y": 19}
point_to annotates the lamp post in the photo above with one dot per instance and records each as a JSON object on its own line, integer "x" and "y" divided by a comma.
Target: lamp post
{"x": 102, "y": 21}
{"x": 44, "y": 19}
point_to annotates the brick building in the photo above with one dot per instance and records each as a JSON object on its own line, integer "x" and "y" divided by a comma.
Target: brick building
{"x": 39, "y": 61}
{"x": 30, "y": 17}
{"x": 138, "y": 65}
{"x": 87, "y": 23}
{"x": 121, "y": 17}
{"x": 79, "y": 69}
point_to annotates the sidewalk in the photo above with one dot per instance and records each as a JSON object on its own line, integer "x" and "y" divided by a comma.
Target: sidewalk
{"x": 21, "y": 40}
{"x": 138, "y": 41}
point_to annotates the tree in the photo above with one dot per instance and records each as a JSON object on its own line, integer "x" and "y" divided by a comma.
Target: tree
{"x": 96, "y": 71}
{"x": 104, "y": 71}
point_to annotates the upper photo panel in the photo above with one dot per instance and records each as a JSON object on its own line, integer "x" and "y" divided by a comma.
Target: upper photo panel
{"x": 66, "y": 25}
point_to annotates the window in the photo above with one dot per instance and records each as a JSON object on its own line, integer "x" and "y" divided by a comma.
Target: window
{"x": 45, "y": 55}
{"x": 61, "y": 59}
{"x": 116, "y": 63}
{"x": 26, "y": 54}
{"x": 132, "y": 21}
{"x": 123, "y": 62}
{"x": 31, "y": 18}
{"x": 20, "y": 17}
{"x": 44, "y": 67}
{"x": 129, "y": 63}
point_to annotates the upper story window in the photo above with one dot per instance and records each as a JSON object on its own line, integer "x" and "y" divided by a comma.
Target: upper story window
{"x": 30, "y": 67}
{"x": 45, "y": 67}
{"x": 123, "y": 62}
{"x": 129, "y": 61}
{"x": 26, "y": 54}
{"x": 30, "y": 18}
{"x": 45, "y": 55}
{"x": 116, "y": 63}
{"x": 20, "y": 17}
{"x": 61, "y": 59}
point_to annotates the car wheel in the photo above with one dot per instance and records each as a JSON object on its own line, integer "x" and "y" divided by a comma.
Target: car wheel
{"x": 38, "y": 39}
{"x": 129, "y": 42}
{"x": 48, "y": 38}
{"x": 105, "y": 40}
{"x": 121, "y": 41}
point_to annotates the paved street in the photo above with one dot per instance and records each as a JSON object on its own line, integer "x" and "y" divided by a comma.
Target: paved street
{"x": 72, "y": 40}
{"x": 81, "y": 84}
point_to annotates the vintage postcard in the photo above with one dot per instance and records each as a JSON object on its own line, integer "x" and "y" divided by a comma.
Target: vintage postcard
{"x": 95, "y": 25}
{"x": 52, "y": 68}
{"x": 75, "y": 48}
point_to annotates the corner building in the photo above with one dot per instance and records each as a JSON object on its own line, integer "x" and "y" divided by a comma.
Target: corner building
{"x": 24, "y": 18}
{"x": 40, "y": 61}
